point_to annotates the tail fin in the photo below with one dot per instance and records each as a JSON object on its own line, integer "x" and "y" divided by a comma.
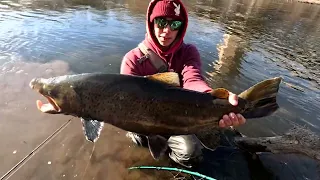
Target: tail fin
{"x": 262, "y": 98}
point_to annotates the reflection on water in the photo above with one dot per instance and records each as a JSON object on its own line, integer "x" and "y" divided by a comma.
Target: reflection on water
{"x": 83, "y": 36}
{"x": 230, "y": 52}
{"x": 255, "y": 40}
{"x": 241, "y": 43}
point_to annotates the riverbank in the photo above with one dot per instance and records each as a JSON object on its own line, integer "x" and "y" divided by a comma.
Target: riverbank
{"x": 310, "y": 1}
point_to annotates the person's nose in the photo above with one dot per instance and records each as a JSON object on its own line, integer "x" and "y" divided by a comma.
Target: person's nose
{"x": 166, "y": 29}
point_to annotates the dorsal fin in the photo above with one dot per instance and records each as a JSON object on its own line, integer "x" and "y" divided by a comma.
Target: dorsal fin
{"x": 171, "y": 78}
{"x": 220, "y": 93}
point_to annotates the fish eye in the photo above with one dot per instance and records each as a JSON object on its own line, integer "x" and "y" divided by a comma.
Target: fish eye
{"x": 52, "y": 93}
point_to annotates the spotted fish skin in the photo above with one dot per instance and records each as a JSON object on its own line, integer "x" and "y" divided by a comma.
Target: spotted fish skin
{"x": 149, "y": 105}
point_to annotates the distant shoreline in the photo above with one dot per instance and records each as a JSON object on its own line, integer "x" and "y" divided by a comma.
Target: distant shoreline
{"x": 310, "y": 1}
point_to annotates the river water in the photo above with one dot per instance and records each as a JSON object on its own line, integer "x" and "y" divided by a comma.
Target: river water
{"x": 241, "y": 42}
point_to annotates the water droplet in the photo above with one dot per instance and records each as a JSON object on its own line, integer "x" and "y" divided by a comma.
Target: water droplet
{"x": 15, "y": 151}
{"x": 49, "y": 162}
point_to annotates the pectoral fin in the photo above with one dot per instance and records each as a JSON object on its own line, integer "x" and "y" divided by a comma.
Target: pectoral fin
{"x": 157, "y": 146}
{"x": 91, "y": 128}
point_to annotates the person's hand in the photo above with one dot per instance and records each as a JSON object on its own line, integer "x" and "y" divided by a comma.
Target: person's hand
{"x": 232, "y": 119}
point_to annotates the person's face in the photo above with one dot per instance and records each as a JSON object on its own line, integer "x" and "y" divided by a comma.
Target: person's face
{"x": 166, "y": 30}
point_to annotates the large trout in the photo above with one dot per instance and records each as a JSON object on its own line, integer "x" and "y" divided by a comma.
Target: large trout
{"x": 153, "y": 105}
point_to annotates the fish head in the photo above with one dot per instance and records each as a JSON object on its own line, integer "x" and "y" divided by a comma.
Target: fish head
{"x": 60, "y": 93}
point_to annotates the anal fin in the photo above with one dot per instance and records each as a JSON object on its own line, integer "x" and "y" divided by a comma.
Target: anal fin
{"x": 157, "y": 146}
{"x": 91, "y": 129}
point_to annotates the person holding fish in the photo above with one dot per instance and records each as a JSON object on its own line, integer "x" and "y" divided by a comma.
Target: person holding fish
{"x": 163, "y": 49}
{"x": 159, "y": 97}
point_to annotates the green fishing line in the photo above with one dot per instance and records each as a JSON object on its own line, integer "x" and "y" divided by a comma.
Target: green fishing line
{"x": 173, "y": 169}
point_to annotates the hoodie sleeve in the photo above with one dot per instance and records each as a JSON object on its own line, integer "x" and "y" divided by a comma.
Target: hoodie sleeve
{"x": 191, "y": 72}
{"x": 128, "y": 65}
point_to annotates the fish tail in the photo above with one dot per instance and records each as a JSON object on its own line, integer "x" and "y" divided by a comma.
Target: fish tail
{"x": 262, "y": 98}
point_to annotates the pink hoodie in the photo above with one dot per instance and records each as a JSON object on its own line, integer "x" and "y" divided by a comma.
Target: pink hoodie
{"x": 181, "y": 58}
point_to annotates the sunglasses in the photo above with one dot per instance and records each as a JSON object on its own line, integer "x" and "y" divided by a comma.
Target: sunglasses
{"x": 162, "y": 23}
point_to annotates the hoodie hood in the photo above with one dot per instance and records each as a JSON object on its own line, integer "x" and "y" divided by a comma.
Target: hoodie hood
{"x": 150, "y": 39}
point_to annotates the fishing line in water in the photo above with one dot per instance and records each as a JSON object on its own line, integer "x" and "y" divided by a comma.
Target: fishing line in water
{"x": 173, "y": 169}
{"x": 16, "y": 167}
{"x": 85, "y": 170}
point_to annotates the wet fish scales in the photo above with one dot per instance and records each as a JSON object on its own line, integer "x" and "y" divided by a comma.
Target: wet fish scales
{"x": 138, "y": 105}
{"x": 153, "y": 105}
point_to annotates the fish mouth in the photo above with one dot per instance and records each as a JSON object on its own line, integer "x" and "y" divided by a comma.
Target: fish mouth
{"x": 51, "y": 107}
